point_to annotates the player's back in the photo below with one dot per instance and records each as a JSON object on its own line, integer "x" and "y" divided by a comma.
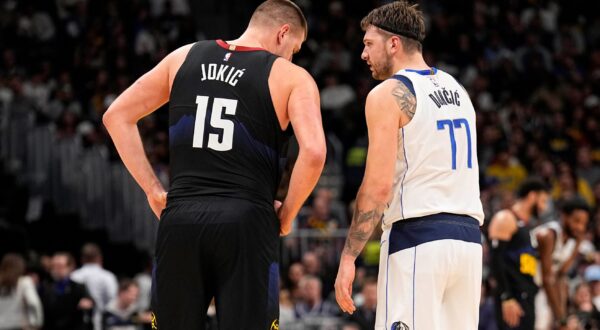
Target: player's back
{"x": 225, "y": 138}
{"x": 436, "y": 167}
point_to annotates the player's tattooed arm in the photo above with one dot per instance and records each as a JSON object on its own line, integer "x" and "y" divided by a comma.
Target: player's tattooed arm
{"x": 363, "y": 224}
{"x": 406, "y": 100}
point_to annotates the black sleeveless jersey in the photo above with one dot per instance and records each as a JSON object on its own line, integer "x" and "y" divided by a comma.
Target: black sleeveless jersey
{"x": 224, "y": 135}
{"x": 521, "y": 258}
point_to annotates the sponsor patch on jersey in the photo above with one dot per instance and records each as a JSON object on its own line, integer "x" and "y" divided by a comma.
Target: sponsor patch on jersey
{"x": 227, "y": 56}
{"x": 399, "y": 326}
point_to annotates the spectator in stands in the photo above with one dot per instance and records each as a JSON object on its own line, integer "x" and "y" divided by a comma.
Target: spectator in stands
{"x": 123, "y": 313}
{"x": 144, "y": 283}
{"x": 320, "y": 215}
{"x": 67, "y": 304}
{"x": 101, "y": 283}
{"x": 295, "y": 274}
{"x": 584, "y": 308}
{"x": 351, "y": 326}
{"x": 286, "y": 309}
{"x": 568, "y": 185}
{"x": 20, "y": 306}
{"x": 312, "y": 304}
{"x": 313, "y": 265}
{"x": 586, "y": 169}
{"x": 592, "y": 276}
{"x": 364, "y": 316}
{"x": 507, "y": 170}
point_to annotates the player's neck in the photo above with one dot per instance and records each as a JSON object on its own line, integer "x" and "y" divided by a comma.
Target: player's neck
{"x": 250, "y": 38}
{"x": 412, "y": 61}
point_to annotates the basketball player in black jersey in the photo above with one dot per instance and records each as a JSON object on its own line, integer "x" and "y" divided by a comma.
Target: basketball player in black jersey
{"x": 514, "y": 257}
{"x": 229, "y": 105}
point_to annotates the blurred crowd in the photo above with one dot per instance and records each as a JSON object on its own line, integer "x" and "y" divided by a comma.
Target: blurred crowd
{"x": 532, "y": 69}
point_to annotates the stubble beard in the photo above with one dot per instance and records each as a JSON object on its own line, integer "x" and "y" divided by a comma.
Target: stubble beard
{"x": 384, "y": 71}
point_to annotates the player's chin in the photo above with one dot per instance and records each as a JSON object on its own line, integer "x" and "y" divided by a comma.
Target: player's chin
{"x": 377, "y": 76}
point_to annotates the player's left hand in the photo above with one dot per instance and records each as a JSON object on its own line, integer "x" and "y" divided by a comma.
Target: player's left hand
{"x": 343, "y": 285}
{"x": 158, "y": 202}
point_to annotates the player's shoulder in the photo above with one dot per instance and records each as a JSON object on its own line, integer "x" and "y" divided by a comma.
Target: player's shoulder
{"x": 503, "y": 225}
{"x": 182, "y": 51}
{"x": 504, "y": 217}
{"x": 286, "y": 73}
{"x": 381, "y": 93}
{"x": 386, "y": 91}
{"x": 289, "y": 70}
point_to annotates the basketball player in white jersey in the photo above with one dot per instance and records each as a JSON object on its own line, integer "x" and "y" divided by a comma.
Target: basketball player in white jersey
{"x": 558, "y": 245}
{"x": 421, "y": 181}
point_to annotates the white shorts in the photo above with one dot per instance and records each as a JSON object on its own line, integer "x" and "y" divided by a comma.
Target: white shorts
{"x": 543, "y": 312}
{"x": 430, "y": 274}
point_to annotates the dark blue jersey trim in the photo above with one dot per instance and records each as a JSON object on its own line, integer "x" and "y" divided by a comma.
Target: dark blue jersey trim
{"x": 406, "y": 82}
{"x": 426, "y": 72}
{"x": 415, "y": 231}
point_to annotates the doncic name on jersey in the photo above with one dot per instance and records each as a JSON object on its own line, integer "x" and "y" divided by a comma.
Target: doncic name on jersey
{"x": 221, "y": 72}
{"x": 443, "y": 97}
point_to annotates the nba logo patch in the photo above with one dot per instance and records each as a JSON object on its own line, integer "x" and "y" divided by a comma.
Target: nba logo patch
{"x": 434, "y": 81}
{"x": 227, "y": 56}
{"x": 399, "y": 326}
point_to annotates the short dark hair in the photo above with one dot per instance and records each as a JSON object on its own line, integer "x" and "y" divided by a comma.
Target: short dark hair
{"x": 90, "y": 252}
{"x": 568, "y": 206}
{"x": 68, "y": 256}
{"x": 400, "y": 18}
{"x": 280, "y": 11}
{"x": 531, "y": 185}
{"x": 125, "y": 284}
{"x": 12, "y": 267}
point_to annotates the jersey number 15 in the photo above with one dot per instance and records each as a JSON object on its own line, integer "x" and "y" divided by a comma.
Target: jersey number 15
{"x": 216, "y": 121}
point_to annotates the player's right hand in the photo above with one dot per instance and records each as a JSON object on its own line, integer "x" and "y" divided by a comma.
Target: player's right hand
{"x": 158, "y": 202}
{"x": 512, "y": 312}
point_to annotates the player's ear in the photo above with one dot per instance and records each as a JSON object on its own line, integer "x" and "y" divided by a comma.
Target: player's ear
{"x": 395, "y": 44}
{"x": 284, "y": 32}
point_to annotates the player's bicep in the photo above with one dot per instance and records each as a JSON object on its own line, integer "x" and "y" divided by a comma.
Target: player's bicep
{"x": 383, "y": 130}
{"x": 545, "y": 240}
{"x": 304, "y": 112}
{"x": 146, "y": 95}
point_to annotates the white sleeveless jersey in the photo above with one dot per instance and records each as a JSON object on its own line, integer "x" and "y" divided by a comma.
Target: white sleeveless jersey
{"x": 436, "y": 167}
{"x": 563, "y": 250}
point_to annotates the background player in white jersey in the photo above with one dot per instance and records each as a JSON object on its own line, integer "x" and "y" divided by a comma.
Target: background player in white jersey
{"x": 558, "y": 245}
{"x": 421, "y": 179}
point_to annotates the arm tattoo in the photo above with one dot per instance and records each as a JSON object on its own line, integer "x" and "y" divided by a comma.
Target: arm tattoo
{"x": 405, "y": 99}
{"x": 363, "y": 224}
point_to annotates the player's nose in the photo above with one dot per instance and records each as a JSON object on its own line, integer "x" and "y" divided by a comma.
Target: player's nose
{"x": 364, "y": 56}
